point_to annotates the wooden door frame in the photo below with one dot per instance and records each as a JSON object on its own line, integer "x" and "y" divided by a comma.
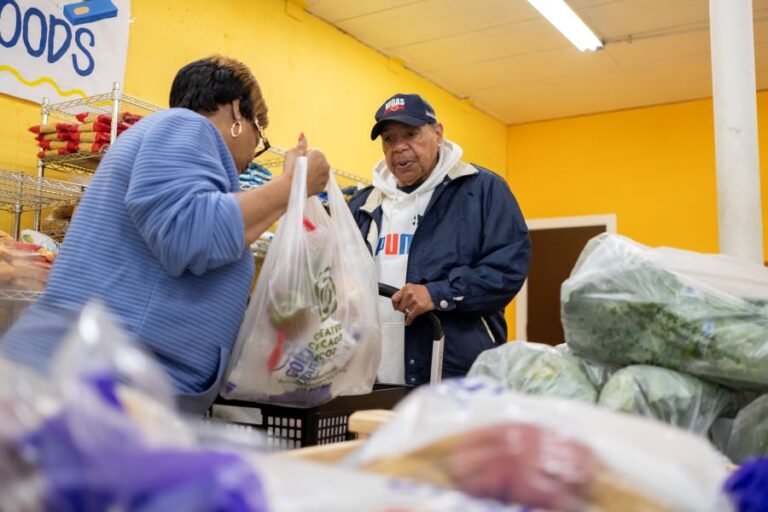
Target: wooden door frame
{"x": 521, "y": 301}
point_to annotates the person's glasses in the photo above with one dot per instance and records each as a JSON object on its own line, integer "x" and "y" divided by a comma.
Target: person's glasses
{"x": 263, "y": 141}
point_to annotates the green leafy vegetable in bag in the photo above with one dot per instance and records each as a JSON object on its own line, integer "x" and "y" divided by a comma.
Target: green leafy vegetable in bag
{"x": 627, "y": 304}
{"x": 536, "y": 369}
{"x": 672, "y": 397}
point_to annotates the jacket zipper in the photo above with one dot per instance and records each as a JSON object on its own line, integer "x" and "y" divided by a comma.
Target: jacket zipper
{"x": 488, "y": 329}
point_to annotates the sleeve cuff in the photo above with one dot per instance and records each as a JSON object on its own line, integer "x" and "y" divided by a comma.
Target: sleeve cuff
{"x": 441, "y": 296}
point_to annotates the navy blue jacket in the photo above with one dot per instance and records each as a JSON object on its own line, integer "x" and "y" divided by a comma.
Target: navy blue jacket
{"x": 472, "y": 251}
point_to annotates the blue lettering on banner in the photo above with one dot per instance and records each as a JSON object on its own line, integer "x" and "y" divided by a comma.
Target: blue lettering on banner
{"x": 91, "y": 64}
{"x": 23, "y": 26}
{"x": 16, "y": 26}
{"x": 43, "y": 32}
{"x": 53, "y": 54}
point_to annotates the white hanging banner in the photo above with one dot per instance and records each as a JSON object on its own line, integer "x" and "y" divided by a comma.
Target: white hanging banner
{"x": 63, "y": 50}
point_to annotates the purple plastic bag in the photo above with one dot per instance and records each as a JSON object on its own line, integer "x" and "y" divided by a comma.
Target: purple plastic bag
{"x": 107, "y": 436}
{"x": 748, "y": 486}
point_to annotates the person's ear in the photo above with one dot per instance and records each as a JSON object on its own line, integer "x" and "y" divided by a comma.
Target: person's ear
{"x": 439, "y": 132}
{"x": 236, "y": 115}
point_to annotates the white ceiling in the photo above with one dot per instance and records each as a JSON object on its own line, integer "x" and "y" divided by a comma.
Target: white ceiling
{"x": 513, "y": 64}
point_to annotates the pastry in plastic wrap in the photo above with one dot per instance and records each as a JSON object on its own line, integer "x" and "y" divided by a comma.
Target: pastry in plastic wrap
{"x": 539, "y": 451}
{"x": 24, "y": 266}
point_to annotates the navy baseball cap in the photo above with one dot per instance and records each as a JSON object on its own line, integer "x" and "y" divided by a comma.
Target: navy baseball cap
{"x": 410, "y": 109}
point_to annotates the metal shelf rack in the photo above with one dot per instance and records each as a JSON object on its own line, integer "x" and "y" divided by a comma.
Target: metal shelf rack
{"x": 108, "y": 103}
{"x": 22, "y": 296}
{"x": 12, "y": 303}
{"x": 56, "y": 233}
{"x": 20, "y": 192}
{"x": 273, "y": 160}
{"x": 113, "y": 103}
{"x": 76, "y": 163}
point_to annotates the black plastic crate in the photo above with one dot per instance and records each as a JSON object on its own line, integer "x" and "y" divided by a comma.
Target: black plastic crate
{"x": 291, "y": 427}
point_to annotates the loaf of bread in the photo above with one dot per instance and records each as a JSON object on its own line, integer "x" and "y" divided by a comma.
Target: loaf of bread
{"x": 23, "y": 266}
{"x": 521, "y": 464}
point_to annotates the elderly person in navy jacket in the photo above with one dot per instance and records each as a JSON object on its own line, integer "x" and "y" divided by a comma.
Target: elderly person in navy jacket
{"x": 448, "y": 234}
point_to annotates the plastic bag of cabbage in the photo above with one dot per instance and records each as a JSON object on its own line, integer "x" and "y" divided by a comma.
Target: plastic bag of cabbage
{"x": 704, "y": 314}
{"x": 536, "y": 369}
{"x": 598, "y": 373}
{"x": 675, "y": 398}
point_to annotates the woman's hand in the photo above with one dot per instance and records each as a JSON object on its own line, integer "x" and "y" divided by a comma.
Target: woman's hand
{"x": 318, "y": 168}
{"x": 289, "y": 161}
{"x": 318, "y": 171}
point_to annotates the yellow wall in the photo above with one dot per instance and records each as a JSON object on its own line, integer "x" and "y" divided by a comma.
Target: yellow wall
{"x": 653, "y": 167}
{"x": 315, "y": 78}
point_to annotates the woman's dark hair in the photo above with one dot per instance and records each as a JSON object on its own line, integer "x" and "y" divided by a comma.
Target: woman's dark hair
{"x": 205, "y": 84}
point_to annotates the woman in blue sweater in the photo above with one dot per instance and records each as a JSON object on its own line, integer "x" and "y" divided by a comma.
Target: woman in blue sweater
{"x": 162, "y": 235}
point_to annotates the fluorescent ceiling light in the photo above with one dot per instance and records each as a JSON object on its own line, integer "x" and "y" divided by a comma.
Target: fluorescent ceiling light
{"x": 568, "y": 23}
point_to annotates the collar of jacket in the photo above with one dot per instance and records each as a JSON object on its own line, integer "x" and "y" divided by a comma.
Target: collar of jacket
{"x": 376, "y": 197}
{"x": 460, "y": 170}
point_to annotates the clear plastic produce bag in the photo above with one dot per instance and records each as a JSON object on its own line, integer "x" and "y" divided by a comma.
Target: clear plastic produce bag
{"x": 598, "y": 373}
{"x": 536, "y": 369}
{"x": 669, "y": 396}
{"x": 704, "y": 314}
{"x": 103, "y": 434}
{"x": 311, "y": 331}
{"x": 748, "y": 436}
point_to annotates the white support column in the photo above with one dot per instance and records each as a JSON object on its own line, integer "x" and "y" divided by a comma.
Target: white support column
{"x": 738, "y": 169}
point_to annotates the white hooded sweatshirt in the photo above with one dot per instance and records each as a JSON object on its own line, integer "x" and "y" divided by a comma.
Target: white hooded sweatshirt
{"x": 401, "y": 214}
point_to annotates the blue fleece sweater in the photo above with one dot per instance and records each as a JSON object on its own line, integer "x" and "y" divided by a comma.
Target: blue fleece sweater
{"x": 159, "y": 238}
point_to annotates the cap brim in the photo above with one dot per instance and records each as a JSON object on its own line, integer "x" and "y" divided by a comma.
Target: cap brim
{"x": 400, "y": 118}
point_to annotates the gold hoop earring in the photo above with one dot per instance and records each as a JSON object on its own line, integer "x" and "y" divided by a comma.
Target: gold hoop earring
{"x": 236, "y": 129}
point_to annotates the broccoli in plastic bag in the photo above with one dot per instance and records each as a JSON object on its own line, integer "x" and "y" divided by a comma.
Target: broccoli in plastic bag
{"x": 536, "y": 369}
{"x": 703, "y": 314}
{"x": 672, "y": 397}
{"x": 103, "y": 434}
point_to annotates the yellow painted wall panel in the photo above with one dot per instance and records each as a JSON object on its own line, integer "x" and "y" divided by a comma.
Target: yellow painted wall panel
{"x": 653, "y": 167}
{"x": 315, "y": 78}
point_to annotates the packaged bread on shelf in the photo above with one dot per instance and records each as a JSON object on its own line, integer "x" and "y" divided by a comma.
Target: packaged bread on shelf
{"x": 24, "y": 265}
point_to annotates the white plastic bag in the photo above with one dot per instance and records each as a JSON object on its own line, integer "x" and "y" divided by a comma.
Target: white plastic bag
{"x": 542, "y": 451}
{"x": 300, "y": 486}
{"x": 311, "y": 331}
